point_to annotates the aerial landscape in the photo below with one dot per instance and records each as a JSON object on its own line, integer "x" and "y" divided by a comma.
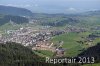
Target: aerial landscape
{"x": 49, "y": 33}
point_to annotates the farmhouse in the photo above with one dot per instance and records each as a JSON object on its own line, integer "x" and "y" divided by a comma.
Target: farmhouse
{"x": 60, "y": 52}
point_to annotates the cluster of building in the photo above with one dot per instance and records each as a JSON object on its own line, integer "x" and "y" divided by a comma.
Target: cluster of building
{"x": 25, "y": 36}
{"x": 38, "y": 40}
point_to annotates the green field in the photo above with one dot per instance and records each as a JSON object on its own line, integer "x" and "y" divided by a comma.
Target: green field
{"x": 73, "y": 48}
{"x": 70, "y": 43}
{"x": 43, "y": 53}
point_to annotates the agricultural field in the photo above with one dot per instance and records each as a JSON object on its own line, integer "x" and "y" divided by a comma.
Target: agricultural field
{"x": 72, "y": 47}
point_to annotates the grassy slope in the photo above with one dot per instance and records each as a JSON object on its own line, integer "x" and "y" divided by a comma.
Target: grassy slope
{"x": 44, "y": 53}
{"x": 70, "y": 42}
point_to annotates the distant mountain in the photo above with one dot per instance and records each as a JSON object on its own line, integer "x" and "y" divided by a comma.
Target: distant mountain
{"x": 97, "y": 12}
{"x": 9, "y": 10}
{"x": 91, "y": 13}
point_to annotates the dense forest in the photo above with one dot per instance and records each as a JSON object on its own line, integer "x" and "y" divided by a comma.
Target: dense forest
{"x": 12, "y": 53}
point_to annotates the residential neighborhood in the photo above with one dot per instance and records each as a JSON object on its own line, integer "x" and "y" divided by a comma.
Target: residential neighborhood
{"x": 37, "y": 40}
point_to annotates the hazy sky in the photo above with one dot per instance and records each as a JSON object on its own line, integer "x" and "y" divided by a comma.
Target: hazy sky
{"x": 55, "y": 6}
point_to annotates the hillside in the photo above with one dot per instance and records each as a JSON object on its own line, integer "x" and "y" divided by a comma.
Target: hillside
{"x": 87, "y": 19}
{"x": 15, "y": 19}
{"x": 92, "y": 52}
{"x": 13, "y": 54}
{"x": 8, "y": 10}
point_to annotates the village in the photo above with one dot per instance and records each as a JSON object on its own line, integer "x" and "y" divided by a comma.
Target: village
{"x": 38, "y": 39}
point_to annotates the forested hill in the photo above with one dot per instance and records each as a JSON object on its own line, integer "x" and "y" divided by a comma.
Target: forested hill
{"x": 8, "y": 10}
{"x": 15, "y": 19}
{"x": 14, "y": 54}
{"x": 92, "y": 52}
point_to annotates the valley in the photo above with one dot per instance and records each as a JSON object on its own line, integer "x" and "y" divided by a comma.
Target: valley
{"x": 51, "y": 35}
